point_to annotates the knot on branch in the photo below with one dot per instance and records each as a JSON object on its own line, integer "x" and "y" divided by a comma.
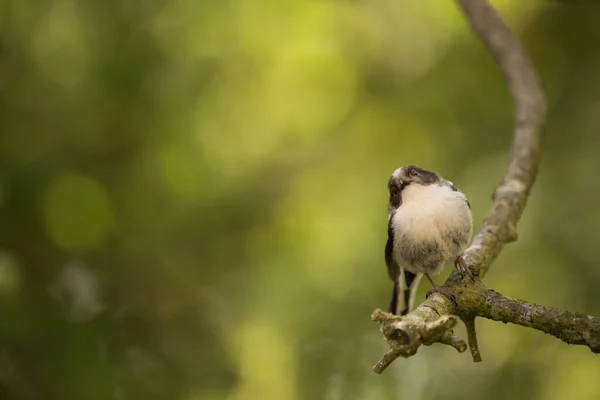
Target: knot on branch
{"x": 405, "y": 334}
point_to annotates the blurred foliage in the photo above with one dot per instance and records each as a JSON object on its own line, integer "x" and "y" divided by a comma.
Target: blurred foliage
{"x": 193, "y": 195}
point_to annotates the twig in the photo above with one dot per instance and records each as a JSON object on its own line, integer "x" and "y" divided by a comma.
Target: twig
{"x": 448, "y": 338}
{"x": 472, "y": 337}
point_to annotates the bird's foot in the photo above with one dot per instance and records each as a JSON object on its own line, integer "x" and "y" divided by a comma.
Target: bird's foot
{"x": 461, "y": 266}
{"x": 439, "y": 289}
{"x": 442, "y": 290}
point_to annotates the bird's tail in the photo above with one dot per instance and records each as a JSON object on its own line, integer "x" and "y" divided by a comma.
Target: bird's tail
{"x": 405, "y": 290}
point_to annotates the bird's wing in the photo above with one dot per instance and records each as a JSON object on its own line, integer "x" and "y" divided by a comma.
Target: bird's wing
{"x": 392, "y": 267}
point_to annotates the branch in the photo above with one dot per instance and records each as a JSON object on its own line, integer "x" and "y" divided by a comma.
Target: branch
{"x": 570, "y": 327}
{"x": 405, "y": 335}
{"x": 510, "y": 197}
{"x": 432, "y": 320}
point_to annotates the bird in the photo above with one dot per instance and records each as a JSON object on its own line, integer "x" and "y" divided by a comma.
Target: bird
{"x": 429, "y": 227}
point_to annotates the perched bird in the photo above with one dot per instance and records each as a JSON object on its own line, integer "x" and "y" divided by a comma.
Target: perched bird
{"x": 429, "y": 226}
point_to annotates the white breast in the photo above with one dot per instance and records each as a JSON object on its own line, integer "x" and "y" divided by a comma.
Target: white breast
{"x": 427, "y": 211}
{"x": 433, "y": 213}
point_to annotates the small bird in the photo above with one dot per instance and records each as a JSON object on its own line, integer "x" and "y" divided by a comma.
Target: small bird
{"x": 429, "y": 226}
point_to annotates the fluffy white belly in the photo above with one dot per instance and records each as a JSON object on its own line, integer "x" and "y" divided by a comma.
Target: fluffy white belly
{"x": 432, "y": 227}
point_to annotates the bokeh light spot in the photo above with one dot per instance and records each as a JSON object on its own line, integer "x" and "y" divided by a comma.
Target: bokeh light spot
{"x": 10, "y": 276}
{"x": 321, "y": 81}
{"x": 77, "y": 212}
{"x": 181, "y": 172}
{"x": 59, "y": 48}
{"x": 266, "y": 363}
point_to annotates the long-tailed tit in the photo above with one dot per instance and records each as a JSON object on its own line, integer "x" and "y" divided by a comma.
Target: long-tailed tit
{"x": 429, "y": 226}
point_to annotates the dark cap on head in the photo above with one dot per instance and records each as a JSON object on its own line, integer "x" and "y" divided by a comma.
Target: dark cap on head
{"x": 412, "y": 174}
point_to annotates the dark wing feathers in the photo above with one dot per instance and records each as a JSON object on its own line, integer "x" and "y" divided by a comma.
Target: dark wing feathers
{"x": 392, "y": 267}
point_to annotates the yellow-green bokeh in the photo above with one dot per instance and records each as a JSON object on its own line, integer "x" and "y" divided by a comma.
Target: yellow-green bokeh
{"x": 206, "y": 182}
{"x": 77, "y": 212}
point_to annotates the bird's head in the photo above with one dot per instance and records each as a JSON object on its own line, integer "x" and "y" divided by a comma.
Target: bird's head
{"x": 409, "y": 175}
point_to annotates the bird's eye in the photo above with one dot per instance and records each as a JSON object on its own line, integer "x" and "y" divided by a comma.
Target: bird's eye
{"x": 414, "y": 172}
{"x": 394, "y": 190}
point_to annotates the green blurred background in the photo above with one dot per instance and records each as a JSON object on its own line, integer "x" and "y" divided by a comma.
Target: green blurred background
{"x": 193, "y": 195}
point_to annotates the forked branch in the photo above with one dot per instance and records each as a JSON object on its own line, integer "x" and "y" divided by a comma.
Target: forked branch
{"x": 432, "y": 321}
